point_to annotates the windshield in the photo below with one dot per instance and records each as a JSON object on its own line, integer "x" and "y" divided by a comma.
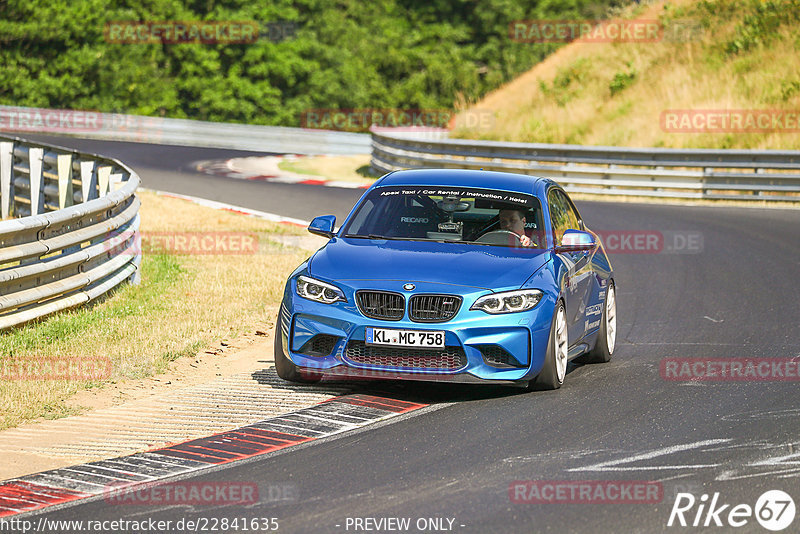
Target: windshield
{"x": 464, "y": 215}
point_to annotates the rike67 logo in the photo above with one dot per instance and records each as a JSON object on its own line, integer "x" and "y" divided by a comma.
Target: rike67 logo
{"x": 774, "y": 510}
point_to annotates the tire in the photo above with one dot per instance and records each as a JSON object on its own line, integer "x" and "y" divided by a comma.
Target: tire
{"x": 607, "y": 336}
{"x": 555, "y": 362}
{"x": 285, "y": 368}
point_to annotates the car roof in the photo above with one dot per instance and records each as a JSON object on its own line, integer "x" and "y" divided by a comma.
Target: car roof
{"x": 503, "y": 181}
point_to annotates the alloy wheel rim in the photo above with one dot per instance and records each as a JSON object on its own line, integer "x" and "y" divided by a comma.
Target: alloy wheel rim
{"x": 561, "y": 344}
{"x": 611, "y": 319}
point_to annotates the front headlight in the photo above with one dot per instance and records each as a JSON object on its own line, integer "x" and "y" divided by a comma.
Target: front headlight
{"x": 508, "y": 301}
{"x": 312, "y": 289}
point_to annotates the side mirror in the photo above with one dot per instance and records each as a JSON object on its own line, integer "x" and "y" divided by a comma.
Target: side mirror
{"x": 575, "y": 241}
{"x": 323, "y": 225}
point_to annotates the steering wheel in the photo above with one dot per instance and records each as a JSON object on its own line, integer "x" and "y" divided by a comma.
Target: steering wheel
{"x": 493, "y": 222}
{"x": 499, "y": 237}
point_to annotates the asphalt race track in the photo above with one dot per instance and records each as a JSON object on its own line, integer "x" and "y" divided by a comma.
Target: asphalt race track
{"x": 168, "y": 168}
{"x": 734, "y": 296}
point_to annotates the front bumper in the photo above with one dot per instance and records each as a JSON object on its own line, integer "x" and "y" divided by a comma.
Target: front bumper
{"x": 504, "y": 349}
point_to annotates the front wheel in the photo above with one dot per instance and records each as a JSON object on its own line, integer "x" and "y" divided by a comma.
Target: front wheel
{"x": 285, "y": 368}
{"x": 555, "y": 362}
{"x": 607, "y": 336}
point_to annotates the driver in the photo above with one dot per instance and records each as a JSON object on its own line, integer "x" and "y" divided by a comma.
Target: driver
{"x": 514, "y": 221}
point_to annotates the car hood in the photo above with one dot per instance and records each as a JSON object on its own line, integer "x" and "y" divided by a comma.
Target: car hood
{"x": 485, "y": 267}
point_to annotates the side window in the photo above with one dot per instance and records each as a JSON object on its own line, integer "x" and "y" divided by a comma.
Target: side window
{"x": 558, "y": 215}
{"x": 562, "y": 215}
{"x": 575, "y": 218}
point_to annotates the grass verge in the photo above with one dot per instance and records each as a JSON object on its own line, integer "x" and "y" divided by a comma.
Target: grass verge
{"x": 347, "y": 168}
{"x": 184, "y": 303}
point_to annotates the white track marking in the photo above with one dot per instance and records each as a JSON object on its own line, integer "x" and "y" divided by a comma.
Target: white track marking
{"x": 728, "y": 475}
{"x": 612, "y": 465}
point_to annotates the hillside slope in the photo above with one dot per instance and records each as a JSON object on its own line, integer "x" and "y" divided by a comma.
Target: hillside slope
{"x": 737, "y": 55}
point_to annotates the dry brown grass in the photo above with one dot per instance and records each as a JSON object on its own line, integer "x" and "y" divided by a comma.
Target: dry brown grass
{"x": 346, "y": 168}
{"x": 567, "y": 97}
{"x": 184, "y": 304}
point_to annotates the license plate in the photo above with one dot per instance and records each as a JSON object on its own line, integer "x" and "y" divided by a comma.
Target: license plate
{"x": 424, "y": 339}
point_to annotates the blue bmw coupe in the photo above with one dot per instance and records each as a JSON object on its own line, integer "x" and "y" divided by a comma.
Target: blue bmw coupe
{"x": 450, "y": 275}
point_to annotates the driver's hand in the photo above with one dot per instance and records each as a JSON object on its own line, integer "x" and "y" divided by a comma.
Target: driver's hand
{"x": 525, "y": 241}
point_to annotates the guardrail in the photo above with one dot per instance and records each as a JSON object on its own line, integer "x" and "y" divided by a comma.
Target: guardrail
{"x": 69, "y": 232}
{"x": 184, "y": 132}
{"x": 653, "y": 172}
